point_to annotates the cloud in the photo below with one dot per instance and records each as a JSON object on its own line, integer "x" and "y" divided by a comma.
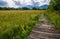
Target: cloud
{"x": 3, "y": 3}
{"x": 24, "y": 3}
{"x": 10, "y": 3}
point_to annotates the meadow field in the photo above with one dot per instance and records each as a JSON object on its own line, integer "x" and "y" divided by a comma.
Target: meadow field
{"x": 17, "y": 24}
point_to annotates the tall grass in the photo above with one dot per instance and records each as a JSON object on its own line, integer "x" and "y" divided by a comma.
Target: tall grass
{"x": 17, "y": 24}
{"x": 55, "y": 18}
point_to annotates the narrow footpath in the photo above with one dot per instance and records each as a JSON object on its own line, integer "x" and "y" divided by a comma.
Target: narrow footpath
{"x": 44, "y": 29}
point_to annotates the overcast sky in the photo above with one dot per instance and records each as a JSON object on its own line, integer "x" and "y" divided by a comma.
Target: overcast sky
{"x": 22, "y": 3}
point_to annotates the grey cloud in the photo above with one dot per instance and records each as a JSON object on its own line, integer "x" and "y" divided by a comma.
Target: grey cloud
{"x": 3, "y": 3}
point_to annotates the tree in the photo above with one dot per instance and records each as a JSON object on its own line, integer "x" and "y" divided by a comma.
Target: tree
{"x": 54, "y": 5}
{"x": 34, "y": 8}
{"x": 57, "y": 7}
{"x": 25, "y": 8}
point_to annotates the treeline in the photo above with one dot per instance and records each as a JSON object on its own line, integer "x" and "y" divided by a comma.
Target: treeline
{"x": 23, "y": 8}
{"x": 55, "y": 5}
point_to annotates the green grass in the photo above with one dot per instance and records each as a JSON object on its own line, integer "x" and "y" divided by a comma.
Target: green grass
{"x": 17, "y": 24}
{"x": 55, "y": 19}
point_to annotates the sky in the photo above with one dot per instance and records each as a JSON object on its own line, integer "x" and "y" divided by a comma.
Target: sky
{"x": 23, "y": 3}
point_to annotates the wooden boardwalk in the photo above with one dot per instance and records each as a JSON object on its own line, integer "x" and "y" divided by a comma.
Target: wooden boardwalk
{"x": 44, "y": 30}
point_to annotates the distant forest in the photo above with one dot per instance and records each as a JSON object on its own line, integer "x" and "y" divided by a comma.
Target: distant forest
{"x": 23, "y": 8}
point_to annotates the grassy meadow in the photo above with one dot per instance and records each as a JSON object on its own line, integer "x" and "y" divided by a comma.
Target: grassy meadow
{"x": 54, "y": 17}
{"x": 15, "y": 24}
